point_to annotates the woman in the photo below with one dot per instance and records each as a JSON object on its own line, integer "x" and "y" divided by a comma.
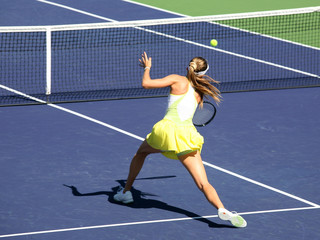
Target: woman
{"x": 175, "y": 135}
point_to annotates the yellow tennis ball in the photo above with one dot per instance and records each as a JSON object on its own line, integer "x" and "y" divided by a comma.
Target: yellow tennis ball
{"x": 213, "y": 42}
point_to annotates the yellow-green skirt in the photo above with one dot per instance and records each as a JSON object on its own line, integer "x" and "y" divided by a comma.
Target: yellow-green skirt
{"x": 174, "y": 140}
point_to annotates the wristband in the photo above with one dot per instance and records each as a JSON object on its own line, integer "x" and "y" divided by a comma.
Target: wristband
{"x": 147, "y": 68}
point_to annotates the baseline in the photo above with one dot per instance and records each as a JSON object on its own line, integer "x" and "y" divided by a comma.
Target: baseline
{"x": 149, "y": 222}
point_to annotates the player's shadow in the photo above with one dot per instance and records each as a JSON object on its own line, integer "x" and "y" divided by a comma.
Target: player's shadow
{"x": 141, "y": 202}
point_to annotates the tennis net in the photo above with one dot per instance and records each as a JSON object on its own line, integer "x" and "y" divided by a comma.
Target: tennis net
{"x": 256, "y": 51}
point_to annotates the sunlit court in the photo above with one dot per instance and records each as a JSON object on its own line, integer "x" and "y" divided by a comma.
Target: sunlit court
{"x": 74, "y": 113}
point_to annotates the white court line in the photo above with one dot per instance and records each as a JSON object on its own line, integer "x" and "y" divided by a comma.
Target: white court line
{"x": 77, "y": 10}
{"x": 261, "y": 184}
{"x": 147, "y": 222}
{"x": 73, "y": 112}
{"x": 156, "y": 8}
{"x": 230, "y": 53}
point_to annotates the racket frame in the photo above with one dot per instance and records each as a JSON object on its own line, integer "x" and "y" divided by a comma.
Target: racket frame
{"x": 212, "y": 117}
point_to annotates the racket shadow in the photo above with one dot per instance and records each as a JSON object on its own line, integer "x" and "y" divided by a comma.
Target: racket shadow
{"x": 140, "y": 202}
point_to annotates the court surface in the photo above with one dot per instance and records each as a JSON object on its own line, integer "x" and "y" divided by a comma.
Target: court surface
{"x": 61, "y": 164}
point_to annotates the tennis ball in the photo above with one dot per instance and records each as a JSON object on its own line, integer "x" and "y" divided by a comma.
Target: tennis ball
{"x": 213, "y": 42}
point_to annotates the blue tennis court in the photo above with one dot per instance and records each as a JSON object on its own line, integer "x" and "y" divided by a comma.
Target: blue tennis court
{"x": 62, "y": 164}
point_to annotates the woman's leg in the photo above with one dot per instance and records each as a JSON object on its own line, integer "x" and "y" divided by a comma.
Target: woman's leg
{"x": 137, "y": 162}
{"x": 194, "y": 165}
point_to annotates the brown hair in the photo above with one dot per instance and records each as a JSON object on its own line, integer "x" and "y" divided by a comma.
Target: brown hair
{"x": 202, "y": 83}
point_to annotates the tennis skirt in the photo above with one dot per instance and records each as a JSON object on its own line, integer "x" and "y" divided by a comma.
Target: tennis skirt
{"x": 174, "y": 140}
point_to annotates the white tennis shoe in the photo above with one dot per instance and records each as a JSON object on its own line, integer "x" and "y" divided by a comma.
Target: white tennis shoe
{"x": 123, "y": 197}
{"x": 235, "y": 219}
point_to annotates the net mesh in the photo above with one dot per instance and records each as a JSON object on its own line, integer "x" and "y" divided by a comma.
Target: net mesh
{"x": 258, "y": 51}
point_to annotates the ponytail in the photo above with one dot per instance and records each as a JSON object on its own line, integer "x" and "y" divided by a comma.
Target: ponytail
{"x": 200, "y": 82}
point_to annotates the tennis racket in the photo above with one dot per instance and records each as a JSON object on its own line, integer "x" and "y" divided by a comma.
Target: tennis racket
{"x": 203, "y": 116}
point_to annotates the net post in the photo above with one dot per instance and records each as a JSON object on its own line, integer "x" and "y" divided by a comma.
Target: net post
{"x": 48, "y": 60}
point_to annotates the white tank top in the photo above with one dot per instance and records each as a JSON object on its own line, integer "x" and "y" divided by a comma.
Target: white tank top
{"x": 181, "y": 108}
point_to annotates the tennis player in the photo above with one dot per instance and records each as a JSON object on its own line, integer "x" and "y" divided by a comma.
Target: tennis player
{"x": 175, "y": 135}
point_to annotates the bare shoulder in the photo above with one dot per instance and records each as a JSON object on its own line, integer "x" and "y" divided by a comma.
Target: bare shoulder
{"x": 175, "y": 76}
{"x": 180, "y": 85}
